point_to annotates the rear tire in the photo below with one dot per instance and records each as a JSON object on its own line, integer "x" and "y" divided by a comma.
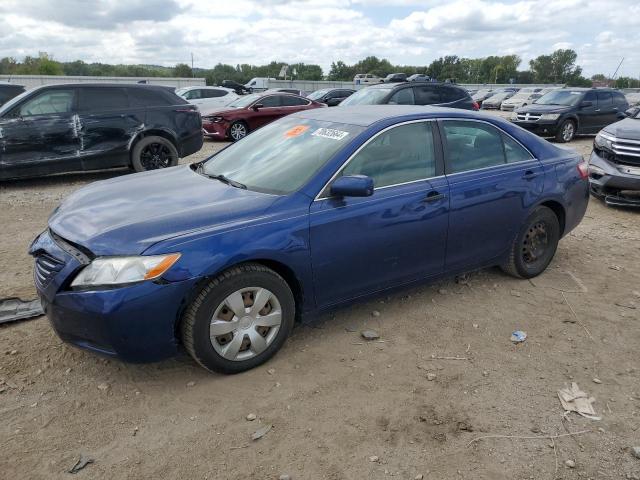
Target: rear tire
{"x": 566, "y": 131}
{"x": 535, "y": 245}
{"x": 152, "y": 153}
{"x": 220, "y": 329}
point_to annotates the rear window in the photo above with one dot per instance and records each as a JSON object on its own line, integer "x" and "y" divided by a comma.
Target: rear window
{"x": 101, "y": 99}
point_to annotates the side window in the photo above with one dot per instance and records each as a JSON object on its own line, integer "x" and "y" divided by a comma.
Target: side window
{"x": 96, "y": 99}
{"x": 450, "y": 94}
{"x": 403, "y": 97}
{"x": 604, "y": 99}
{"x": 402, "y": 154}
{"x": 271, "y": 101}
{"x": 619, "y": 99}
{"x": 472, "y": 145}
{"x": 214, "y": 93}
{"x": 514, "y": 151}
{"x": 143, "y": 97}
{"x": 427, "y": 95}
{"x": 293, "y": 101}
{"x": 590, "y": 96}
{"x": 48, "y": 103}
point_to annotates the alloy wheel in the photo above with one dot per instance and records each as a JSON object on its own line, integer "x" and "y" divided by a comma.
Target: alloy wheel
{"x": 245, "y": 323}
{"x": 155, "y": 155}
{"x": 568, "y": 131}
{"x": 238, "y": 131}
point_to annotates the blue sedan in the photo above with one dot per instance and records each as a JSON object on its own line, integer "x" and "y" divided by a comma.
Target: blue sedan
{"x": 318, "y": 209}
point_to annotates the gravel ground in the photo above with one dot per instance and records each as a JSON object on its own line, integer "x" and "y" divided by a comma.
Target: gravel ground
{"x": 340, "y": 407}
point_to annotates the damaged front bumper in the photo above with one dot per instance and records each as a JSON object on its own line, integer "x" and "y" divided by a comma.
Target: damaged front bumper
{"x": 617, "y": 184}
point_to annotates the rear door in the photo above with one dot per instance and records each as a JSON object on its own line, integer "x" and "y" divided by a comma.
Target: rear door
{"x": 360, "y": 245}
{"x": 493, "y": 182}
{"x": 107, "y": 126}
{"x": 40, "y": 135}
{"x": 608, "y": 112}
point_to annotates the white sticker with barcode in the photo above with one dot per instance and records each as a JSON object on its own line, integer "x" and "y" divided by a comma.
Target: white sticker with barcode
{"x": 330, "y": 133}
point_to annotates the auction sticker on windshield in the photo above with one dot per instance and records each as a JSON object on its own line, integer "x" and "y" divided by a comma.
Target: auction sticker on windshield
{"x": 295, "y": 131}
{"x": 330, "y": 133}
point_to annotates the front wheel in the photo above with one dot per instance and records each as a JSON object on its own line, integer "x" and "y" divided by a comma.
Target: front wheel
{"x": 238, "y": 130}
{"x": 239, "y": 320}
{"x": 535, "y": 245}
{"x": 566, "y": 132}
{"x": 152, "y": 153}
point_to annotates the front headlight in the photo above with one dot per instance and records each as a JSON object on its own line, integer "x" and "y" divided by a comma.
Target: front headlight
{"x": 603, "y": 140}
{"x": 121, "y": 270}
{"x": 514, "y": 115}
{"x": 550, "y": 116}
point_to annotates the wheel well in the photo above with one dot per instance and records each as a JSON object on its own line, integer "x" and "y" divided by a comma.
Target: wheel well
{"x": 558, "y": 209}
{"x": 153, "y": 133}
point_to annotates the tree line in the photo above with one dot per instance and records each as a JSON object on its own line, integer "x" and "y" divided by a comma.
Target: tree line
{"x": 557, "y": 67}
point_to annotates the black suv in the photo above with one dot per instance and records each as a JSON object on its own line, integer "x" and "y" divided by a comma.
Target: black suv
{"x": 331, "y": 96}
{"x": 395, "y": 78}
{"x": 8, "y": 91}
{"x": 413, "y": 93}
{"x": 73, "y": 127}
{"x": 565, "y": 112}
{"x": 614, "y": 166}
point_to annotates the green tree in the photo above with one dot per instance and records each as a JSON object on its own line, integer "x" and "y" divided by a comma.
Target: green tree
{"x": 182, "y": 70}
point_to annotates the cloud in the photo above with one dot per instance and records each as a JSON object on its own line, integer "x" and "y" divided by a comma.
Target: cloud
{"x": 166, "y": 32}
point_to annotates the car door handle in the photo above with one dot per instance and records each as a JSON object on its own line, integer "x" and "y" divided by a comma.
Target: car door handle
{"x": 433, "y": 196}
{"x": 597, "y": 110}
{"x": 529, "y": 175}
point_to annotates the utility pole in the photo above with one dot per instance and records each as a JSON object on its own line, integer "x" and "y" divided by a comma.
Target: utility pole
{"x": 613, "y": 77}
{"x": 192, "y": 74}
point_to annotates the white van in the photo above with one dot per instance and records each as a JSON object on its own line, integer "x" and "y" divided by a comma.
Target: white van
{"x": 207, "y": 98}
{"x": 366, "y": 79}
{"x": 258, "y": 84}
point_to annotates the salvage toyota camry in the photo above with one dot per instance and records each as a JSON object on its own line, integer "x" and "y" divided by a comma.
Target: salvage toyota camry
{"x": 315, "y": 210}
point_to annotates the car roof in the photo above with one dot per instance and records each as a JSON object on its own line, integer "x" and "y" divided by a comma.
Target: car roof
{"x": 412, "y": 84}
{"x": 366, "y": 115}
{"x": 128, "y": 85}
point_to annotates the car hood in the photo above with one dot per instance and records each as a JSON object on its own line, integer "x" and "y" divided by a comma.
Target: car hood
{"x": 537, "y": 108}
{"x": 628, "y": 128}
{"x": 126, "y": 215}
{"x": 217, "y": 110}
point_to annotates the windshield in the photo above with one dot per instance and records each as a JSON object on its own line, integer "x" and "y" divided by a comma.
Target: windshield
{"x": 11, "y": 103}
{"x": 366, "y": 96}
{"x": 182, "y": 91}
{"x": 245, "y": 101}
{"x": 281, "y": 157}
{"x": 318, "y": 94}
{"x": 561, "y": 97}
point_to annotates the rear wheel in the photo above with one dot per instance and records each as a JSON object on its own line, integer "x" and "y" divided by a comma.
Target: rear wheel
{"x": 566, "y": 132}
{"x": 239, "y": 320}
{"x": 152, "y": 153}
{"x": 535, "y": 245}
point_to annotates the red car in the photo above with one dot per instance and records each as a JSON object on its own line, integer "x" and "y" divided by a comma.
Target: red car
{"x": 250, "y": 112}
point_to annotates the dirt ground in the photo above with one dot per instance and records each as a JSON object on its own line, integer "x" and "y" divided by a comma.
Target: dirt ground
{"x": 341, "y": 408}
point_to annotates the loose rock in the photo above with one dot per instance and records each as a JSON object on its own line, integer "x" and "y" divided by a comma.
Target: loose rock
{"x": 418, "y": 477}
{"x": 431, "y": 376}
{"x": 285, "y": 476}
{"x": 251, "y": 417}
{"x": 370, "y": 334}
{"x": 374, "y": 458}
{"x": 597, "y": 380}
{"x": 271, "y": 371}
{"x": 375, "y": 313}
{"x": 635, "y": 451}
{"x": 103, "y": 386}
{"x": 570, "y": 463}
{"x": 442, "y": 291}
{"x": 191, "y": 384}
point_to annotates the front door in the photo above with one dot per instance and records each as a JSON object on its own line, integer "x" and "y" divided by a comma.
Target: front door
{"x": 40, "y": 135}
{"x": 493, "y": 183}
{"x": 270, "y": 110}
{"x": 366, "y": 244}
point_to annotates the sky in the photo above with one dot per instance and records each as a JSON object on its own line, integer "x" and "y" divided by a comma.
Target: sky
{"x": 166, "y": 32}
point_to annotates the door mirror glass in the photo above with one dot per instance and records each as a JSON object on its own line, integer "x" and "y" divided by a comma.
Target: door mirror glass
{"x": 332, "y": 102}
{"x": 258, "y": 106}
{"x": 352, "y": 186}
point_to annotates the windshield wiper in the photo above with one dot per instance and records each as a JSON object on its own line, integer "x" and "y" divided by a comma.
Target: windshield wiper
{"x": 222, "y": 178}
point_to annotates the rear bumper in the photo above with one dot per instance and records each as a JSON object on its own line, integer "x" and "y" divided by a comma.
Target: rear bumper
{"x": 608, "y": 179}
{"x": 191, "y": 144}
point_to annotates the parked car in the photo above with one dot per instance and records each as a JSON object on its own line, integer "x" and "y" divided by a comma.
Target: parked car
{"x": 313, "y": 211}
{"x": 632, "y": 111}
{"x": 331, "y": 96}
{"x": 248, "y": 113}
{"x": 412, "y": 93}
{"x": 614, "y": 166}
{"x": 494, "y": 102}
{"x": 73, "y": 127}
{"x": 395, "y": 78}
{"x": 295, "y": 91}
{"x": 565, "y": 112}
{"x": 9, "y": 91}
{"x": 419, "y": 77}
{"x": 523, "y": 97}
{"x": 236, "y": 87}
{"x": 633, "y": 98}
{"x": 366, "y": 79}
{"x": 207, "y": 97}
{"x": 481, "y": 95}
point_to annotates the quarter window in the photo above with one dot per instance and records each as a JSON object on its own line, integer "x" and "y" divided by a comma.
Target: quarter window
{"x": 473, "y": 145}
{"x": 48, "y": 103}
{"x": 403, "y": 97}
{"x": 293, "y": 101}
{"x": 402, "y": 154}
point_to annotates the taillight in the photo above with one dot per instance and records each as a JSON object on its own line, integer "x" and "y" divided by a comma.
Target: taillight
{"x": 476, "y": 106}
{"x": 583, "y": 170}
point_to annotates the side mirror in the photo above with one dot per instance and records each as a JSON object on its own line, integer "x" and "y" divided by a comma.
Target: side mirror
{"x": 352, "y": 186}
{"x": 257, "y": 106}
{"x": 332, "y": 102}
{"x": 586, "y": 104}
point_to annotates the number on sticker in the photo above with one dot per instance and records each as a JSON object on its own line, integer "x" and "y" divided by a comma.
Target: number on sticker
{"x": 330, "y": 133}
